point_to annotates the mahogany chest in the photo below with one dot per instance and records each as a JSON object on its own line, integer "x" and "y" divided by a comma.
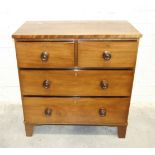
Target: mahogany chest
{"x": 77, "y": 72}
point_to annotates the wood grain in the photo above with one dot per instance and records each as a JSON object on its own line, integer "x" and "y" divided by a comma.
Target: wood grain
{"x": 76, "y": 30}
{"x": 76, "y": 110}
{"x": 123, "y": 54}
{"x": 61, "y": 54}
{"x": 76, "y": 83}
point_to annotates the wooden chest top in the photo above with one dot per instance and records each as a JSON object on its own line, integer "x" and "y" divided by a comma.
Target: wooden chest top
{"x": 76, "y": 30}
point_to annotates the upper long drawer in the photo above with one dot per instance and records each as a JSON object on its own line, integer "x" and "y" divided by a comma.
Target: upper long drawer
{"x": 45, "y": 54}
{"x": 107, "y": 54}
{"x": 76, "y": 83}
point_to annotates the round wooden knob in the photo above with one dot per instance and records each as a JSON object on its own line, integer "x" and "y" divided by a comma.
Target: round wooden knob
{"x": 44, "y": 56}
{"x": 48, "y": 112}
{"x": 106, "y": 55}
{"x": 104, "y": 84}
{"x": 46, "y": 84}
{"x": 102, "y": 112}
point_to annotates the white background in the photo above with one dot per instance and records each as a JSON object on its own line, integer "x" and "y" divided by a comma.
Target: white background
{"x": 140, "y": 13}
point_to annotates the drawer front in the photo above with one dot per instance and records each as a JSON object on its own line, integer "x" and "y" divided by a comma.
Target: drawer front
{"x": 45, "y": 54}
{"x": 76, "y": 83}
{"x": 107, "y": 54}
{"x": 75, "y": 110}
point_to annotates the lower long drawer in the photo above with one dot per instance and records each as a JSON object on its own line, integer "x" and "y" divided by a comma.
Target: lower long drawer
{"x": 46, "y": 110}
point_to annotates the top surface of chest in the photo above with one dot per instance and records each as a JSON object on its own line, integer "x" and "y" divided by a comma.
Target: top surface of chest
{"x": 76, "y": 30}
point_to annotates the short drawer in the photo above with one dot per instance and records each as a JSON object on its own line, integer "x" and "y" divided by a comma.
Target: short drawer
{"x": 111, "y": 54}
{"x": 45, "y": 54}
{"x": 76, "y": 83}
{"x": 75, "y": 110}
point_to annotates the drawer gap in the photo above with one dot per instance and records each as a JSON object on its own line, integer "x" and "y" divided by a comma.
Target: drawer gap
{"x": 77, "y": 96}
{"x": 76, "y": 68}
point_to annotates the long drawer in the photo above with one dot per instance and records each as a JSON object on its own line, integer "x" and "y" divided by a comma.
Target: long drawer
{"x": 76, "y": 83}
{"x": 107, "y": 54}
{"x": 41, "y": 110}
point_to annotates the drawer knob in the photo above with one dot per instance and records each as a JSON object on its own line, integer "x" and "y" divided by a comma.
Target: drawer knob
{"x": 106, "y": 55}
{"x": 102, "y": 112}
{"x": 48, "y": 112}
{"x": 46, "y": 84}
{"x": 104, "y": 84}
{"x": 44, "y": 56}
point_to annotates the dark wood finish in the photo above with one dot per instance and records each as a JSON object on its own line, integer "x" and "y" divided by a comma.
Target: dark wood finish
{"x": 76, "y": 110}
{"x": 76, "y": 83}
{"x": 123, "y": 54}
{"x": 48, "y": 112}
{"x": 122, "y": 131}
{"x": 102, "y": 112}
{"x": 60, "y": 54}
{"x": 77, "y": 30}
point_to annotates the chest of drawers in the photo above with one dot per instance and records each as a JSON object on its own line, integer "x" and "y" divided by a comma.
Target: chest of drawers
{"x": 76, "y": 72}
